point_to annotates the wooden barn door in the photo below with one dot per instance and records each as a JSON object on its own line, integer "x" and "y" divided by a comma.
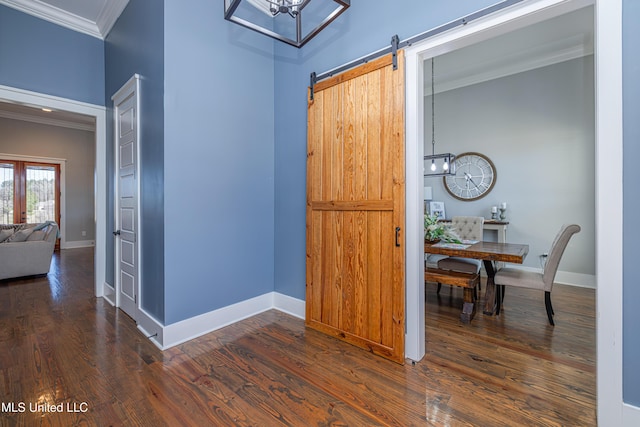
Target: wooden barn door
{"x": 355, "y": 208}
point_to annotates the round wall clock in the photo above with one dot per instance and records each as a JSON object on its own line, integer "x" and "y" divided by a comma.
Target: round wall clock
{"x": 475, "y": 176}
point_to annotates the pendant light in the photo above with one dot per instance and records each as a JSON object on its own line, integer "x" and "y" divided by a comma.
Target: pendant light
{"x": 294, "y": 22}
{"x": 437, "y": 164}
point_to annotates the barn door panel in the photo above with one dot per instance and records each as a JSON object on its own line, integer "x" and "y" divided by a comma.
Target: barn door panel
{"x": 355, "y": 208}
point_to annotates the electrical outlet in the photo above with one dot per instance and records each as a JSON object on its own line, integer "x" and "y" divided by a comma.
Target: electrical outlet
{"x": 84, "y": 233}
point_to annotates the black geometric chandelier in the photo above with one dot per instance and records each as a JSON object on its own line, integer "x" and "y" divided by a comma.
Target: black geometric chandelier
{"x": 294, "y": 22}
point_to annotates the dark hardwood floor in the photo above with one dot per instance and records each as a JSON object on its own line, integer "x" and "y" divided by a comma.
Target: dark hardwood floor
{"x": 61, "y": 347}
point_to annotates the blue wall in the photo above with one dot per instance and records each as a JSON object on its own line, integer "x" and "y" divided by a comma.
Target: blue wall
{"x": 39, "y": 56}
{"x": 631, "y": 177}
{"x": 365, "y": 27}
{"x": 219, "y": 144}
{"x": 136, "y": 45}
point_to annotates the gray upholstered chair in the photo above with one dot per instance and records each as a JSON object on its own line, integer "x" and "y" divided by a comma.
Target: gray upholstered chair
{"x": 542, "y": 281}
{"x": 467, "y": 228}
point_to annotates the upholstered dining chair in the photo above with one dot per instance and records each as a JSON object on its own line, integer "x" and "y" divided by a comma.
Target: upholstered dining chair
{"x": 467, "y": 228}
{"x": 543, "y": 281}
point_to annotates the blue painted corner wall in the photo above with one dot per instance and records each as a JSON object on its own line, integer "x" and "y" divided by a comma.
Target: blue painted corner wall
{"x": 219, "y": 161}
{"x": 631, "y": 195}
{"x": 135, "y": 45}
{"x": 42, "y": 57}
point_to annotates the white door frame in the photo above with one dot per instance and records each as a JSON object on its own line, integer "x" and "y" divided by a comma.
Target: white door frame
{"x": 98, "y": 112}
{"x": 131, "y": 87}
{"x": 608, "y": 59}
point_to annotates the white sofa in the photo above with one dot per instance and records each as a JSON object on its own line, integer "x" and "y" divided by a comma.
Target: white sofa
{"x": 26, "y": 249}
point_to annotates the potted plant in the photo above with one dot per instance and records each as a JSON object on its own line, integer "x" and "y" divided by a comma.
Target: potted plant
{"x": 435, "y": 231}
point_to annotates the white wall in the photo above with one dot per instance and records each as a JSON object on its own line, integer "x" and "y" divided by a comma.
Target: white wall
{"x": 538, "y": 129}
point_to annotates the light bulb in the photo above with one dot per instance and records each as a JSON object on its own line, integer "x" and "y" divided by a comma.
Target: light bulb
{"x": 445, "y": 166}
{"x": 433, "y": 165}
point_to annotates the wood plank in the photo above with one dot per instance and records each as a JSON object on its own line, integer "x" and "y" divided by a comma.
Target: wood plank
{"x": 492, "y": 251}
{"x": 352, "y": 205}
{"x": 361, "y": 103}
{"x": 512, "y": 369}
{"x": 398, "y": 301}
{"x": 376, "y": 64}
{"x": 449, "y": 277}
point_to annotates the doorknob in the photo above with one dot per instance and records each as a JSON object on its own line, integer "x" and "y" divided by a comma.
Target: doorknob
{"x": 397, "y": 236}
{"x": 116, "y": 233}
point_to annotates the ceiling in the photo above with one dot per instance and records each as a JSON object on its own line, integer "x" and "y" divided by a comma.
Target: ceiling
{"x": 559, "y": 39}
{"x": 34, "y": 114}
{"x": 92, "y": 17}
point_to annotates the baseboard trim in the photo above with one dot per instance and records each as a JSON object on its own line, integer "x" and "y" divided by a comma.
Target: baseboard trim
{"x": 78, "y": 244}
{"x": 151, "y": 328}
{"x": 566, "y": 277}
{"x": 188, "y": 329}
{"x": 286, "y": 304}
{"x": 194, "y": 327}
{"x": 165, "y": 337}
{"x": 630, "y": 415}
{"x": 109, "y": 293}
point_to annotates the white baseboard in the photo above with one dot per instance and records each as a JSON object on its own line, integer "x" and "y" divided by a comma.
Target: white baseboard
{"x": 565, "y": 277}
{"x": 151, "y": 328}
{"x": 109, "y": 293}
{"x": 289, "y": 305}
{"x": 191, "y": 328}
{"x": 77, "y": 244}
{"x": 630, "y": 415}
{"x": 165, "y": 337}
{"x": 188, "y": 329}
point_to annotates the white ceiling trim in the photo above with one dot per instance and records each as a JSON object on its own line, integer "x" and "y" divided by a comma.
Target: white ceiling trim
{"x": 109, "y": 15}
{"x": 99, "y": 29}
{"x": 514, "y": 63}
{"x": 46, "y": 121}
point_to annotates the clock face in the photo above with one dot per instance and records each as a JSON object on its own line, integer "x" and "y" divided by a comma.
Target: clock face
{"x": 474, "y": 178}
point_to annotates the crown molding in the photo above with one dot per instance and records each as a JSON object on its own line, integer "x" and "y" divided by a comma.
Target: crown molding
{"x": 109, "y": 15}
{"x": 510, "y": 65}
{"x": 105, "y": 21}
{"x": 46, "y": 121}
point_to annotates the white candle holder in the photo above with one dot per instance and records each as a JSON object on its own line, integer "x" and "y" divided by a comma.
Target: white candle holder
{"x": 503, "y": 215}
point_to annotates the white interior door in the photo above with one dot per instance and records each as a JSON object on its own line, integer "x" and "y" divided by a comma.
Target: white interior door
{"x": 127, "y": 228}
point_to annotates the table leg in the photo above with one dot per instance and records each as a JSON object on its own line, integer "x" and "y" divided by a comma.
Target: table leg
{"x": 490, "y": 291}
{"x": 469, "y": 306}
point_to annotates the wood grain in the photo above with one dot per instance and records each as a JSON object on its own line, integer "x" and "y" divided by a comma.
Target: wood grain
{"x": 59, "y": 344}
{"x": 355, "y": 201}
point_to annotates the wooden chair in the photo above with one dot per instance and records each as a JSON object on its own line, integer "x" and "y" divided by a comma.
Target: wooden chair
{"x": 542, "y": 281}
{"x": 468, "y": 228}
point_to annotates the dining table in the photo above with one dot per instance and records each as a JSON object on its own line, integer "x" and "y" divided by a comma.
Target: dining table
{"x": 489, "y": 253}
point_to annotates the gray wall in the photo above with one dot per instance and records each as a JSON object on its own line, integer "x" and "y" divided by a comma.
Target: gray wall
{"x": 78, "y": 148}
{"x": 538, "y": 129}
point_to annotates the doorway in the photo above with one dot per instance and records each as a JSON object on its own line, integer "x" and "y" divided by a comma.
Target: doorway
{"x": 98, "y": 114}
{"x": 608, "y": 180}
